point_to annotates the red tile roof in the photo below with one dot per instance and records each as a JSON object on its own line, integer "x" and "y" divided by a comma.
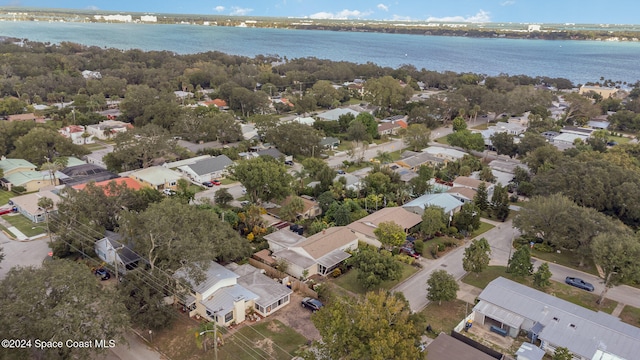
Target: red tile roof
{"x": 129, "y": 182}
{"x": 219, "y": 102}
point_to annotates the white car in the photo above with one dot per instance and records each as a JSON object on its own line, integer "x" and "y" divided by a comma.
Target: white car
{"x": 168, "y": 192}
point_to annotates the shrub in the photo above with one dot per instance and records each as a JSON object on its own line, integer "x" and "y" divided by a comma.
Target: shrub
{"x": 453, "y": 230}
{"x": 336, "y": 272}
{"x": 434, "y": 251}
{"x": 405, "y": 259}
{"x": 450, "y": 243}
{"x": 441, "y": 247}
{"x": 418, "y": 246}
{"x": 18, "y": 189}
{"x": 543, "y": 248}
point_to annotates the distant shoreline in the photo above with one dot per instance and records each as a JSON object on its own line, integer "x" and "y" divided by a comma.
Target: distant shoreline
{"x": 569, "y": 31}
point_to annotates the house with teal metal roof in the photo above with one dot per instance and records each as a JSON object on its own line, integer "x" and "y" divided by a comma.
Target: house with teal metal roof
{"x": 446, "y": 201}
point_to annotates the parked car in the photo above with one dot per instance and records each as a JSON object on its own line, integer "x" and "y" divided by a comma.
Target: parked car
{"x": 579, "y": 283}
{"x": 216, "y": 182}
{"x": 311, "y": 303}
{"x": 168, "y": 192}
{"x": 409, "y": 251}
{"x": 288, "y": 162}
{"x": 244, "y": 203}
{"x": 341, "y": 172}
{"x": 103, "y": 274}
{"x": 244, "y": 190}
{"x": 207, "y": 184}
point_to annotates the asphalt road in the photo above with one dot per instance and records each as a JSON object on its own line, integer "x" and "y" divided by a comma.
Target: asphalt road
{"x": 22, "y": 253}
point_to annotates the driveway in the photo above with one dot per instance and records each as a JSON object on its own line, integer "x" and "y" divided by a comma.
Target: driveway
{"x": 298, "y": 318}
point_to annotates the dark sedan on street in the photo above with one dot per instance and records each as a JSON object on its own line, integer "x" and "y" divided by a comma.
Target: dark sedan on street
{"x": 579, "y": 283}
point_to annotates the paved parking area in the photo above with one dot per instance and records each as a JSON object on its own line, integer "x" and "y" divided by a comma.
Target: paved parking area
{"x": 298, "y": 318}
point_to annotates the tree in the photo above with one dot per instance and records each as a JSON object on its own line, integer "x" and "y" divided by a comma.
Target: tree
{"x": 416, "y": 136}
{"x": 173, "y": 235}
{"x": 41, "y": 144}
{"x": 422, "y": 183}
{"x": 466, "y": 140}
{"x": 223, "y": 197}
{"x": 264, "y": 178}
{"x": 481, "y": 198}
{"x": 290, "y": 211}
{"x": 520, "y": 262}
{"x": 442, "y": 286}
{"x": 562, "y": 353}
{"x": 617, "y": 255}
{"x": 357, "y": 131}
{"x": 70, "y": 304}
{"x": 390, "y": 234}
{"x": 477, "y": 256}
{"x": 503, "y": 143}
{"x": 139, "y": 148}
{"x": 184, "y": 191}
{"x": 387, "y": 93}
{"x": 433, "y": 220}
{"x": 459, "y": 124}
{"x": 295, "y": 139}
{"x": 378, "y": 326}
{"x": 500, "y": 202}
{"x": 467, "y": 219}
{"x": 374, "y": 267}
{"x": 542, "y": 277}
{"x": 143, "y": 296}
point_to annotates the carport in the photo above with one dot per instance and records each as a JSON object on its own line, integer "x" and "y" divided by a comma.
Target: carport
{"x": 489, "y": 314}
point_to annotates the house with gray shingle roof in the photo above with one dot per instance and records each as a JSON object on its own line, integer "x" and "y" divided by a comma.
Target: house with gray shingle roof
{"x": 157, "y": 177}
{"x": 207, "y": 169}
{"x": 334, "y": 114}
{"x": 555, "y": 322}
{"x": 446, "y": 201}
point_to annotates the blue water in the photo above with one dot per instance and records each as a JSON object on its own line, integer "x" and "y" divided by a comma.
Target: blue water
{"x": 578, "y": 61}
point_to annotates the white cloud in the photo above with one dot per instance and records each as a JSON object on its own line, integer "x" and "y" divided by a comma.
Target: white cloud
{"x": 93, "y": 7}
{"x": 481, "y": 16}
{"x": 383, "y": 7}
{"x": 508, "y": 2}
{"x": 219, "y": 8}
{"x": 340, "y": 15}
{"x": 238, "y": 11}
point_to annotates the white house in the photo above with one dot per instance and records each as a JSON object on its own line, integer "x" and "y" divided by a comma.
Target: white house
{"x": 107, "y": 129}
{"x": 77, "y": 134}
{"x": 112, "y": 251}
{"x": 226, "y": 296}
{"x": 207, "y": 169}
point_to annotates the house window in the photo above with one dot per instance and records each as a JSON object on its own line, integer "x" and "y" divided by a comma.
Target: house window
{"x": 228, "y": 317}
{"x": 322, "y": 270}
{"x": 173, "y": 183}
{"x": 259, "y": 308}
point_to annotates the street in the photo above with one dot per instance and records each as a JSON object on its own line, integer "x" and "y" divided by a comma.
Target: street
{"x": 22, "y": 253}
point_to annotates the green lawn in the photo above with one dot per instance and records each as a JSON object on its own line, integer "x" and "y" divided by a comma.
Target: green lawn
{"x": 227, "y": 181}
{"x": 350, "y": 282}
{"x": 356, "y": 167}
{"x": 443, "y": 318}
{"x": 483, "y": 126}
{"x": 442, "y": 140}
{"x": 93, "y": 147}
{"x": 25, "y": 225}
{"x": 630, "y": 315}
{"x": 484, "y": 227}
{"x": 560, "y": 290}
{"x": 264, "y": 340}
{"x": 619, "y": 139}
{"x": 568, "y": 259}
{"x": 5, "y": 196}
{"x": 437, "y": 241}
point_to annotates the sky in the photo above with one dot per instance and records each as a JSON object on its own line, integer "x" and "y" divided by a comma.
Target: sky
{"x": 527, "y": 11}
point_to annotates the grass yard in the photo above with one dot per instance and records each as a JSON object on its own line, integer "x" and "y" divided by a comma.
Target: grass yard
{"x": 620, "y": 139}
{"x": 93, "y": 147}
{"x": 25, "y": 225}
{"x": 357, "y": 166}
{"x": 566, "y": 258}
{"x": 560, "y": 290}
{"x": 484, "y": 227}
{"x": 483, "y": 126}
{"x": 429, "y": 244}
{"x": 350, "y": 282}
{"x": 5, "y": 196}
{"x": 630, "y": 315}
{"x": 443, "y": 318}
{"x": 442, "y": 140}
{"x": 268, "y": 339}
{"x": 227, "y": 181}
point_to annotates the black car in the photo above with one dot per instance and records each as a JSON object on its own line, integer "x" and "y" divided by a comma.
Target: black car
{"x": 579, "y": 283}
{"x": 103, "y": 274}
{"x": 288, "y": 162}
{"x": 311, "y": 303}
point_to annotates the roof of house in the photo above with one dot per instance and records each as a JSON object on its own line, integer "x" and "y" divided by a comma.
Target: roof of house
{"x": 128, "y": 182}
{"x": 83, "y": 173}
{"x": 308, "y": 205}
{"x": 214, "y": 274}
{"x": 73, "y": 161}
{"x": 7, "y": 165}
{"x": 219, "y": 103}
{"x": 445, "y": 201}
{"x": 388, "y": 126}
{"x": 327, "y": 141}
{"x": 210, "y": 165}
{"x": 29, "y": 202}
{"x": 124, "y": 250}
{"x": 24, "y": 117}
{"x": 562, "y": 323}
{"x": 445, "y": 347}
{"x": 252, "y": 278}
{"x": 464, "y": 191}
{"x": 398, "y": 215}
{"x": 193, "y": 160}
{"x": 570, "y": 137}
{"x": 468, "y": 182}
{"x": 21, "y": 178}
{"x": 295, "y": 256}
{"x": 222, "y": 300}
{"x": 285, "y": 237}
{"x": 334, "y": 114}
{"x": 419, "y": 159}
{"x": 273, "y": 152}
{"x": 328, "y": 240}
{"x": 507, "y": 166}
{"x": 438, "y": 150}
{"x": 156, "y": 175}
{"x": 598, "y": 124}
{"x": 111, "y": 124}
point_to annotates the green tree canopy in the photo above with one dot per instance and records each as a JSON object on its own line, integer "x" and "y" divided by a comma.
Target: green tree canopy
{"x": 542, "y": 277}
{"x": 416, "y": 136}
{"x": 617, "y": 256}
{"x": 390, "y": 234}
{"x": 433, "y": 220}
{"x": 140, "y": 148}
{"x": 374, "y": 267}
{"x": 40, "y": 144}
{"x": 377, "y": 326}
{"x": 263, "y": 177}
{"x": 441, "y": 286}
{"x": 520, "y": 262}
{"x": 477, "y": 256}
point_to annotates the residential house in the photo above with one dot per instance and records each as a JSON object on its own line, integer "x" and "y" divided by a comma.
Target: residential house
{"x": 405, "y": 174}
{"x": 464, "y": 194}
{"x": 304, "y": 120}
{"x": 189, "y": 161}
{"x": 446, "y": 347}
{"x": 157, "y": 177}
{"x": 365, "y": 227}
{"x": 508, "y": 166}
{"x": 310, "y": 209}
{"x": 77, "y": 134}
{"x": 183, "y": 95}
{"x": 81, "y": 174}
{"x": 569, "y": 138}
{"x": 27, "y": 205}
{"x": 112, "y": 250}
{"x": 129, "y": 183}
{"x": 415, "y": 161}
{"x": 273, "y": 152}
{"x": 26, "y": 117}
{"x": 226, "y": 296}
{"x": 320, "y": 253}
{"x": 207, "y": 169}
{"x": 334, "y": 114}
{"x": 388, "y": 128}
{"x": 107, "y": 129}
{"x": 599, "y": 123}
{"x": 221, "y": 104}
{"x": 10, "y": 166}
{"x": 605, "y": 92}
{"x": 283, "y": 239}
{"x": 555, "y": 322}
{"x": 511, "y": 128}
{"x": 329, "y": 143}
{"x": 32, "y": 180}
{"x": 249, "y": 132}
{"x": 471, "y": 183}
{"x": 445, "y": 153}
{"x": 96, "y": 157}
{"x": 446, "y": 201}
{"x": 352, "y": 182}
